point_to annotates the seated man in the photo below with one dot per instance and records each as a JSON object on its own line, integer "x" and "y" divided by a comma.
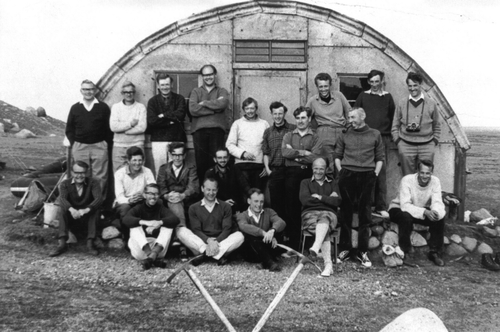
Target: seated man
{"x": 260, "y": 226}
{"x": 178, "y": 182}
{"x": 213, "y": 232}
{"x": 151, "y": 225}
{"x": 233, "y": 186}
{"x": 130, "y": 181}
{"x": 80, "y": 199}
{"x": 320, "y": 200}
{"x": 419, "y": 201}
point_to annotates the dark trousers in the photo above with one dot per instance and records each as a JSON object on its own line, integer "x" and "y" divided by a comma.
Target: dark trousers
{"x": 257, "y": 251}
{"x": 206, "y": 141}
{"x": 121, "y": 211}
{"x": 293, "y": 177}
{"x": 276, "y": 185}
{"x": 356, "y": 191}
{"x": 380, "y": 192}
{"x": 251, "y": 172}
{"x": 405, "y": 223}
{"x": 88, "y": 221}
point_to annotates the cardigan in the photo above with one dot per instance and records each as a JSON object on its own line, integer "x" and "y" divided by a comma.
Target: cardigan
{"x": 91, "y": 196}
{"x": 268, "y": 219}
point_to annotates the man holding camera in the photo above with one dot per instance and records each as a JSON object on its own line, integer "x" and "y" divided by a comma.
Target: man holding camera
{"x": 415, "y": 127}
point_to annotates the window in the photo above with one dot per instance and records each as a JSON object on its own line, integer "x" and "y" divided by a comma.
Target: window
{"x": 184, "y": 83}
{"x": 270, "y": 51}
{"x": 351, "y": 85}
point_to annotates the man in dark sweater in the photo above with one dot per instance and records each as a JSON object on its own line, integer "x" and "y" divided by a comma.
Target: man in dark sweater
{"x": 89, "y": 134}
{"x": 213, "y": 232}
{"x": 151, "y": 225}
{"x": 379, "y": 107}
{"x": 166, "y": 113}
{"x": 260, "y": 226}
{"x": 80, "y": 198}
{"x": 359, "y": 156}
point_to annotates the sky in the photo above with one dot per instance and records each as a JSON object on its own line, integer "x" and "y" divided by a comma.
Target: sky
{"x": 48, "y": 47}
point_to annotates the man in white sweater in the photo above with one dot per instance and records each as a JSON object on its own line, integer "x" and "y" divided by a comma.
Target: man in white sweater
{"x": 128, "y": 122}
{"x": 245, "y": 144}
{"x": 419, "y": 201}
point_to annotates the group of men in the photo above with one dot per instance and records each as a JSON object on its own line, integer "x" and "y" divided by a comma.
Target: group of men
{"x": 333, "y": 157}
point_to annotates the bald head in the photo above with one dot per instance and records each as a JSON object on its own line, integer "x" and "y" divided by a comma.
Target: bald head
{"x": 319, "y": 168}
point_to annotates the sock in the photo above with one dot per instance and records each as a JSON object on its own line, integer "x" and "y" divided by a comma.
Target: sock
{"x": 321, "y": 232}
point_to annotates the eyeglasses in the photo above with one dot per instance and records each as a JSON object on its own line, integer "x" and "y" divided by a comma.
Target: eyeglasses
{"x": 128, "y": 92}
{"x": 152, "y": 194}
{"x": 79, "y": 173}
{"x": 177, "y": 155}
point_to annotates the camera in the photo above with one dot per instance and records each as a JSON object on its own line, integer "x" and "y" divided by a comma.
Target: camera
{"x": 413, "y": 127}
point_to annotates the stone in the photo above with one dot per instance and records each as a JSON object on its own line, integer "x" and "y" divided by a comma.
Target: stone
{"x": 2, "y": 130}
{"x": 110, "y": 232}
{"x": 417, "y": 240}
{"x": 455, "y": 250}
{"x": 456, "y": 238}
{"x": 98, "y": 243}
{"x": 498, "y": 230}
{"x": 420, "y": 228}
{"x": 354, "y": 238}
{"x": 398, "y": 260}
{"x": 390, "y": 238}
{"x": 25, "y": 133}
{"x": 483, "y": 248}
{"x": 479, "y": 215}
{"x": 390, "y": 261}
{"x": 40, "y": 112}
{"x": 116, "y": 243}
{"x": 489, "y": 231}
{"x": 378, "y": 230}
{"x": 446, "y": 240}
{"x": 469, "y": 243}
{"x": 15, "y": 128}
{"x": 373, "y": 243}
{"x": 416, "y": 320}
{"x": 394, "y": 227}
{"x": 30, "y": 110}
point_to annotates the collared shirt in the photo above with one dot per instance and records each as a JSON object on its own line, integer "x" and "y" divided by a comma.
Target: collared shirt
{"x": 253, "y": 216}
{"x": 207, "y": 206}
{"x": 79, "y": 186}
{"x": 333, "y": 114}
{"x": 418, "y": 98}
{"x": 176, "y": 170}
{"x": 127, "y": 186}
{"x": 271, "y": 144}
{"x": 381, "y": 93}
{"x": 89, "y": 108}
{"x": 309, "y": 141}
{"x": 326, "y": 179}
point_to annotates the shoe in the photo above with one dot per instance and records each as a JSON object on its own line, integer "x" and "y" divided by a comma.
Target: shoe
{"x": 434, "y": 257}
{"x": 344, "y": 255}
{"x": 328, "y": 271}
{"x": 381, "y": 214}
{"x": 183, "y": 254}
{"x": 409, "y": 260}
{"x": 61, "y": 248}
{"x": 273, "y": 267}
{"x": 160, "y": 263}
{"x": 363, "y": 258}
{"x": 146, "y": 264}
{"x": 488, "y": 262}
{"x": 313, "y": 255}
{"x": 198, "y": 261}
{"x": 222, "y": 261}
{"x": 497, "y": 258}
{"x": 91, "y": 247}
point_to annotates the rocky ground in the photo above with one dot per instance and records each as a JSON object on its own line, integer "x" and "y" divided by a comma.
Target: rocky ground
{"x": 77, "y": 292}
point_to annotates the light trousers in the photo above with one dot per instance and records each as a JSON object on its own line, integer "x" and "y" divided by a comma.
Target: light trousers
{"x": 138, "y": 240}
{"x": 198, "y": 246}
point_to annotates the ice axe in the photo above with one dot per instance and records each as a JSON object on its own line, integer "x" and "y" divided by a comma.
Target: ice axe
{"x": 187, "y": 267}
{"x": 303, "y": 261}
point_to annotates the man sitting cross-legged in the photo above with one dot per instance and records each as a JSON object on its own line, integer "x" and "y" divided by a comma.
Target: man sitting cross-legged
{"x": 260, "y": 226}
{"x": 320, "y": 200}
{"x": 151, "y": 225}
{"x": 213, "y": 232}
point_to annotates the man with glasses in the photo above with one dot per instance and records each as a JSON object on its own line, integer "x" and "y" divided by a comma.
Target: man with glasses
{"x": 128, "y": 122}
{"x": 165, "y": 114}
{"x": 80, "y": 198}
{"x": 207, "y": 105}
{"x": 151, "y": 225}
{"x": 88, "y": 132}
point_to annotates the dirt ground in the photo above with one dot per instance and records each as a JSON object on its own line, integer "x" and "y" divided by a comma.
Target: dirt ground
{"x": 77, "y": 292}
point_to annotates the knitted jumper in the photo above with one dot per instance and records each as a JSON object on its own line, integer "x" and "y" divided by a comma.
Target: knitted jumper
{"x": 327, "y": 202}
{"x": 212, "y": 114}
{"x": 143, "y": 211}
{"x": 119, "y": 122}
{"x": 268, "y": 219}
{"x": 246, "y": 136}
{"x": 379, "y": 110}
{"x": 218, "y": 223}
{"x": 333, "y": 114}
{"x": 170, "y": 126}
{"x": 89, "y": 127}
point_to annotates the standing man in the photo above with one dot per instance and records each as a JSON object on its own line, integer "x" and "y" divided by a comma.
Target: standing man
{"x": 165, "y": 114}
{"x": 245, "y": 143}
{"x": 213, "y": 232}
{"x": 299, "y": 148}
{"x": 128, "y": 122}
{"x": 379, "y": 107}
{"x": 260, "y": 226}
{"x": 207, "y": 105}
{"x": 80, "y": 198}
{"x": 330, "y": 109}
{"x": 274, "y": 162}
{"x": 233, "y": 186}
{"x": 415, "y": 128}
{"x": 359, "y": 156}
{"x": 88, "y": 132}
{"x": 151, "y": 225}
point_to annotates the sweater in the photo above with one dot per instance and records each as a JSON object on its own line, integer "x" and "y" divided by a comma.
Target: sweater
{"x": 126, "y": 186}
{"x": 246, "y": 136}
{"x": 170, "y": 126}
{"x": 415, "y": 199}
{"x": 213, "y": 113}
{"x": 91, "y": 196}
{"x": 379, "y": 110}
{"x": 119, "y": 122}
{"x": 268, "y": 219}
{"x": 217, "y": 224}
{"x": 143, "y": 211}
{"x": 406, "y": 113}
{"x": 89, "y": 127}
{"x": 327, "y": 202}
{"x": 360, "y": 149}
{"x": 333, "y": 113}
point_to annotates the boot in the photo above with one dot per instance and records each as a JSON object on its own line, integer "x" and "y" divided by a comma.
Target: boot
{"x": 91, "y": 247}
{"x": 488, "y": 262}
{"x": 61, "y": 247}
{"x": 153, "y": 255}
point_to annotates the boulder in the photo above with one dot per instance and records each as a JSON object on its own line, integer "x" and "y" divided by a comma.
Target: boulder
{"x": 446, "y": 240}
{"x": 40, "y": 112}
{"x": 378, "y": 230}
{"x": 390, "y": 238}
{"x": 15, "y": 128}
{"x": 390, "y": 261}
{"x": 455, "y": 250}
{"x": 30, "y": 110}
{"x": 110, "y": 232}
{"x": 394, "y": 227}
{"x": 456, "y": 238}
{"x": 116, "y": 243}
{"x": 489, "y": 231}
{"x": 479, "y": 215}
{"x": 469, "y": 243}
{"x": 420, "y": 228}
{"x": 354, "y": 238}
{"x": 483, "y": 248}
{"x": 25, "y": 133}
{"x": 417, "y": 240}
{"x": 416, "y": 320}
{"x": 373, "y": 243}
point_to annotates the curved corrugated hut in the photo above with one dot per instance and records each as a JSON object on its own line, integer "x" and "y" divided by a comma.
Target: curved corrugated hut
{"x": 271, "y": 50}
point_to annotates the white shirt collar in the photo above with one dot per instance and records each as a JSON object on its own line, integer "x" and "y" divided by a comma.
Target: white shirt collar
{"x": 418, "y": 98}
{"x": 325, "y": 180}
{"x": 89, "y": 108}
{"x": 382, "y": 93}
{"x": 255, "y": 217}
{"x": 204, "y": 202}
